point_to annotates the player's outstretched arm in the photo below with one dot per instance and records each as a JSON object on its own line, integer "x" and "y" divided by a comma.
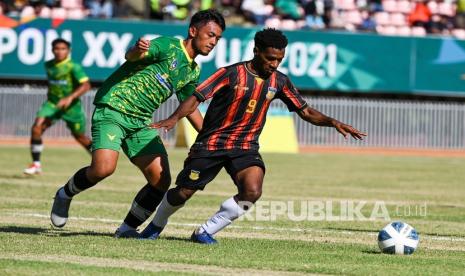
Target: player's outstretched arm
{"x": 138, "y": 51}
{"x": 185, "y": 108}
{"x": 315, "y": 117}
{"x": 196, "y": 119}
{"x": 78, "y": 92}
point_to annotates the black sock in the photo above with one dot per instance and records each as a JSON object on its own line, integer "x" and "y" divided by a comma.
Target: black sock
{"x": 78, "y": 183}
{"x": 36, "y": 149}
{"x": 143, "y": 206}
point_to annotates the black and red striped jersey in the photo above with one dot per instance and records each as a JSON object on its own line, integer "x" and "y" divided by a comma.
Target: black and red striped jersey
{"x": 240, "y": 100}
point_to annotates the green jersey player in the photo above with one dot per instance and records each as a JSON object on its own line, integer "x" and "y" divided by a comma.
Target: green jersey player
{"x": 67, "y": 82}
{"x": 125, "y": 103}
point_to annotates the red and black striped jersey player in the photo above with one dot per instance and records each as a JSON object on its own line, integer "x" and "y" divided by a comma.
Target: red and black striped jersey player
{"x": 241, "y": 95}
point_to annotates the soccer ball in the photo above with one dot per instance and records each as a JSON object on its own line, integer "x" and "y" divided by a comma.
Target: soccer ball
{"x": 398, "y": 238}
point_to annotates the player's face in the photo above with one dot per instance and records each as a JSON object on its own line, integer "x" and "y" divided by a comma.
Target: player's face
{"x": 60, "y": 51}
{"x": 205, "y": 37}
{"x": 268, "y": 60}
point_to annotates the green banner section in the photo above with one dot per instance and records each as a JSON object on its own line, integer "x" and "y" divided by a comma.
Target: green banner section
{"x": 314, "y": 60}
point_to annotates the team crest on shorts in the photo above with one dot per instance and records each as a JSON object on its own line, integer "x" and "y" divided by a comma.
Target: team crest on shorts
{"x": 195, "y": 175}
{"x": 271, "y": 92}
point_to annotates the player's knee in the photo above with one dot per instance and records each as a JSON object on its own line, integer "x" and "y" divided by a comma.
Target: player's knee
{"x": 101, "y": 171}
{"x": 163, "y": 182}
{"x": 36, "y": 130}
{"x": 101, "y": 174}
{"x": 165, "y": 177}
{"x": 82, "y": 139}
{"x": 166, "y": 180}
{"x": 78, "y": 136}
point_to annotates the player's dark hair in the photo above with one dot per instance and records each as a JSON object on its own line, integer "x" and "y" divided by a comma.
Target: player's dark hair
{"x": 270, "y": 37}
{"x": 203, "y": 17}
{"x": 60, "y": 40}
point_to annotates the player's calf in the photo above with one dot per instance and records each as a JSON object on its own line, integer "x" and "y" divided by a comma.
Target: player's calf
{"x": 249, "y": 195}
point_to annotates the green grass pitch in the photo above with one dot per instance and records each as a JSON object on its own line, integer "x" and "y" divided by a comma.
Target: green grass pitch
{"x": 426, "y": 192}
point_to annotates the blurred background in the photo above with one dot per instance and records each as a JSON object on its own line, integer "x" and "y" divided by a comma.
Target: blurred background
{"x": 391, "y": 17}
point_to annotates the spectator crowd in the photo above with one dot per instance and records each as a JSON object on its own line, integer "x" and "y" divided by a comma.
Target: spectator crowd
{"x": 389, "y": 17}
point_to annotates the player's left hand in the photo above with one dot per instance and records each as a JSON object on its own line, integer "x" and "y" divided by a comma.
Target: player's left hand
{"x": 345, "y": 130}
{"x": 142, "y": 45}
{"x": 65, "y": 103}
{"x": 167, "y": 124}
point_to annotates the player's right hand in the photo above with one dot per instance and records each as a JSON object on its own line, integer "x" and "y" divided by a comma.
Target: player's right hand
{"x": 64, "y": 103}
{"x": 167, "y": 124}
{"x": 142, "y": 44}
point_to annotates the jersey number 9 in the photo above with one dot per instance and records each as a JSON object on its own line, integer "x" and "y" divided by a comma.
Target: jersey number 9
{"x": 251, "y": 106}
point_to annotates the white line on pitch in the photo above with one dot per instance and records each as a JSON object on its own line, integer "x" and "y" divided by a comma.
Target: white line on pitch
{"x": 281, "y": 229}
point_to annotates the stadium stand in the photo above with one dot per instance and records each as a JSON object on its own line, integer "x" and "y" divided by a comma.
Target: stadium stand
{"x": 387, "y": 17}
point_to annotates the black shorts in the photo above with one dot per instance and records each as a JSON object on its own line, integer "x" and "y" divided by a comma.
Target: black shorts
{"x": 201, "y": 167}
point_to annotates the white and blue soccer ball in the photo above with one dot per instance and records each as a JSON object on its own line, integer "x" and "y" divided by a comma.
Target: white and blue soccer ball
{"x": 398, "y": 238}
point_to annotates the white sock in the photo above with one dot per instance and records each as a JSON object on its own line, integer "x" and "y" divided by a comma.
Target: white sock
{"x": 124, "y": 227}
{"x": 164, "y": 211}
{"x": 228, "y": 212}
{"x": 62, "y": 193}
{"x": 36, "y": 163}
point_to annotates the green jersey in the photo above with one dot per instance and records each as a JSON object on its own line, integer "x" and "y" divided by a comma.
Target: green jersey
{"x": 63, "y": 78}
{"x": 138, "y": 88}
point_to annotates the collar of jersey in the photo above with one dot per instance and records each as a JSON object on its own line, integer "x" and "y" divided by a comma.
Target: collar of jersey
{"x": 252, "y": 73}
{"x": 62, "y": 62}
{"x": 184, "y": 50}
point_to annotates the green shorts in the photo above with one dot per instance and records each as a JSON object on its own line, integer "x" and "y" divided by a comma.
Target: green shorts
{"x": 73, "y": 116}
{"x": 114, "y": 130}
